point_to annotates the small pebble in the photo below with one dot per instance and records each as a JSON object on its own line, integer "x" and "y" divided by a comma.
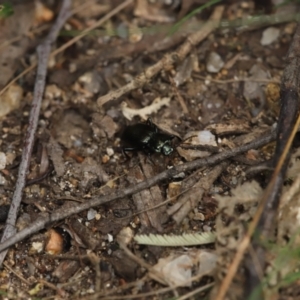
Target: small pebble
{"x": 110, "y": 151}
{"x": 110, "y": 238}
{"x": 234, "y": 180}
{"x": 55, "y": 243}
{"x": 125, "y": 236}
{"x": 214, "y": 63}
{"x": 37, "y": 247}
{"x": 199, "y": 217}
{"x": 105, "y": 158}
{"x": 2, "y": 160}
{"x": 10, "y": 99}
{"x": 269, "y": 36}
{"x": 91, "y": 214}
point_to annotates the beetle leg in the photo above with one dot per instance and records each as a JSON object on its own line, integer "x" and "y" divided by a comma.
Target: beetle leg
{"x": 150, "y": 123}
{"x": 128, "y": 149}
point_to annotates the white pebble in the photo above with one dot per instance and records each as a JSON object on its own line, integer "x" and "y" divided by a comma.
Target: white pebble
{"x": 91, "y": 214}
{"x": 214, "y": 63}
{"x": 269, "y": 36}
{"x": 2, "y": 160}
{"x": 110, "y": 151}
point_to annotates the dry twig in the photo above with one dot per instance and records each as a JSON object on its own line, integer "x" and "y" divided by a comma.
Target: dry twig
{"x": 252, "y": 227}
{"x": 178, "y": 96}
{"x": 263, "y": 221}
{"x": 43, "y": 54}
{"x": 188, "y": 201}
{"x": 71, "y": 42}
{"x": 168, "y": 60}
{"x": 225, "y": 81}
{"x": 46, "y": 219}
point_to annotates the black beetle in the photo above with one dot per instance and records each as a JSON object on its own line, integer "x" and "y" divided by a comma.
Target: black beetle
{"x": 146, "y": 137}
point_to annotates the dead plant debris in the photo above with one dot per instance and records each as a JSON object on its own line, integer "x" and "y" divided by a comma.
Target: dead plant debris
{"x": 85, "y": 206}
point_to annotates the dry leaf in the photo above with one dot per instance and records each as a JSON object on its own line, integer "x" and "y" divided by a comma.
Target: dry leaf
{"x": 157, "y": 104}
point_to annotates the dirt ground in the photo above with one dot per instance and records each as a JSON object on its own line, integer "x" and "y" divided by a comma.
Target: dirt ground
{"x": 206, "y": 89}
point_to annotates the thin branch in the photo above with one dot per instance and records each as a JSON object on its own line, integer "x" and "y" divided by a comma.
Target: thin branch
{"x": 189, "y": 200}
{"x": 17, "y": 274}
{"x": 246, "y": 79}
{"x": 290, "y": 105}
{"x": 196, "y": 291}
{"x": 168, "y": 60}
{"x": 289, "y": 112}
{"x": 60, "y": 214}
{"x": 72, "y": 41}
{"x": 244, "y": 244}
{"x": 92, "y": 27}
{"x": 43, "y": 55}
{"x": 264, "y": 219}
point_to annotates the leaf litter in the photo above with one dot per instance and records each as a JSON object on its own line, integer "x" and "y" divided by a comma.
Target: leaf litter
{"x": 85, "y": 157}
